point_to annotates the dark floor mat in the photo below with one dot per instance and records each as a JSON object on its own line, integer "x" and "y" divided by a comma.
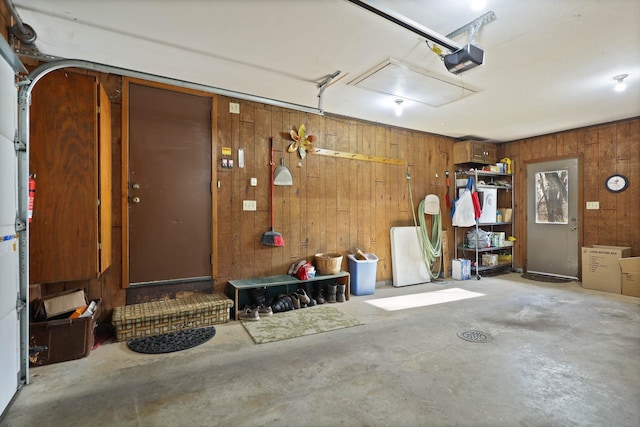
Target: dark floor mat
{"x": 173, "y": 341}
{"x": 545, "y": 278}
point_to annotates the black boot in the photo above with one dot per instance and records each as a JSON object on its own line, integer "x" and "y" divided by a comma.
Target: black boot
{"x": 318, "y": 293}
{"x": 282, "y": 303}
{"x": 259, "y": 296}
{"x": 307, "y": 287}
{"x": 259, "y": 300}
{"x": 332, "y": 288}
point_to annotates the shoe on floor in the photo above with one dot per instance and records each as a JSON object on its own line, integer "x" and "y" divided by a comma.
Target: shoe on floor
{"x": 249, "y": 314}
{"x": 265, "y": 310}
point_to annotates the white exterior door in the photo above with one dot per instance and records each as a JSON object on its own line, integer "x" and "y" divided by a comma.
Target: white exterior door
{"x": 9, "y": 278}
{"x": 552, "y": 218}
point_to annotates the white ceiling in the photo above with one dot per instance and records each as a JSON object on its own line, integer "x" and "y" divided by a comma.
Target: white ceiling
{"x": 549, "y": 64}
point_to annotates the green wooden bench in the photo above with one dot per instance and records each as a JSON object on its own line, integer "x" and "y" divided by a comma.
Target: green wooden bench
{"x": 290, "y": 283}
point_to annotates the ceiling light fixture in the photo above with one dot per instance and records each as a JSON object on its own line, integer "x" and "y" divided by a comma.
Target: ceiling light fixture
{"x": 398, "y": 107}
{"x": 478, "y": 5}
{"x": 620, "y": 86}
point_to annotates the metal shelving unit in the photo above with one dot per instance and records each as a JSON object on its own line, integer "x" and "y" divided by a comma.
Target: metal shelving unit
{"x": 503, "y": 183}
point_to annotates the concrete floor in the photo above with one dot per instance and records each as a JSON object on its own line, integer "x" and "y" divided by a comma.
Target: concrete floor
{"x": 560, "y": 356}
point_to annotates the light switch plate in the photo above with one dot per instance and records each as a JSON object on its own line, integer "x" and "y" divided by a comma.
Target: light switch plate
{"x": 254, "y": 182}
{"x": 249, "y": 205}
{"x": 234, "y": 108}
{"x": 593, "y": 205}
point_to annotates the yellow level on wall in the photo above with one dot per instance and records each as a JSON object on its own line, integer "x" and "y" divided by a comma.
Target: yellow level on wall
{"x": 355, "y": 156}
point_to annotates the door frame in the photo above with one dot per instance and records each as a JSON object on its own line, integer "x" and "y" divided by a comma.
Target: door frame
{"x": 580, "y": 231}
{"x": 126, "y": 82}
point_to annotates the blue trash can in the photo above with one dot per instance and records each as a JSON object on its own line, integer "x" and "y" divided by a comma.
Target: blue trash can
{"x": 363, "y": 274}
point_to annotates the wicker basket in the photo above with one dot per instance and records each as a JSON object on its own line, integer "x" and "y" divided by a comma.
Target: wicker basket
{"x": 328, "y": 263}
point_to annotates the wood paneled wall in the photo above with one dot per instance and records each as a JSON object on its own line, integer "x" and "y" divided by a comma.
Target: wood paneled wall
{"x": 335, "y": 204}
{"x": 5, "y": 21}
{"x": 603, "y": 150}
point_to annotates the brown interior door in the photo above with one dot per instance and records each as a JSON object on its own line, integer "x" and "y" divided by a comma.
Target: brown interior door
{"x": 169, "y": 186}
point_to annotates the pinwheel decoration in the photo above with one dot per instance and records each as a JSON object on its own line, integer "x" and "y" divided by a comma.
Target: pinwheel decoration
{"x": 302, "y": 143}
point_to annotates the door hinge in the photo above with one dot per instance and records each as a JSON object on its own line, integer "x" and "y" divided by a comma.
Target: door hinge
{"x": 20, "y": 225}
{"x": 20, "y": 305}
{"x": 17, "y": 144}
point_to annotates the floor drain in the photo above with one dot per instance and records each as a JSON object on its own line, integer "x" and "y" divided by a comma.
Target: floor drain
{"x": 474, "y": 336}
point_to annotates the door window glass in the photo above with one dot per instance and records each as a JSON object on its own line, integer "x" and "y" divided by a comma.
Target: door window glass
{"x": 552, "y": 197}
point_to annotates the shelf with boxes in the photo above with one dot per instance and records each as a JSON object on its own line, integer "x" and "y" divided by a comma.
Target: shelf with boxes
{"x": 486, "y": 243}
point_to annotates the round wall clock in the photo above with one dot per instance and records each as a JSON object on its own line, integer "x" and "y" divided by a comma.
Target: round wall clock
{"x": 617, "y": 183}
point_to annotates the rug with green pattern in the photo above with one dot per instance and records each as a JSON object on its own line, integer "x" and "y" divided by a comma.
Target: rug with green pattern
{"x": 297, "y": 323}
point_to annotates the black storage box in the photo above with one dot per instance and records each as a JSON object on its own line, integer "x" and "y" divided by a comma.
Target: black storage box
{"x": 65, "y": 339}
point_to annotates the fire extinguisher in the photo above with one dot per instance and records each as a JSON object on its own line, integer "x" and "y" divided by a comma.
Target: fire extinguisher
{"x": 32, "y": 195}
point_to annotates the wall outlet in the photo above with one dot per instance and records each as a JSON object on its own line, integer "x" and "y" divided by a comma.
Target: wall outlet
{"x": 249, "y": 205}
{"x": 593, "y": 205}
{"x": 234, "y": 108}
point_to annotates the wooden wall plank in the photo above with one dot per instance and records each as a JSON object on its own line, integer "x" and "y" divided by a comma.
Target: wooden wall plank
{"x": 606, "y": 140}
{"x": 381, "y": 221}
{"x": 351, "y": 169}
{"x": 247, "y": 219}
{"x": 332, "y": 180}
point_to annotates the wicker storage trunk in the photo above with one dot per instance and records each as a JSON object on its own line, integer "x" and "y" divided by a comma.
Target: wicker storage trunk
{"x": 160, "y": 317}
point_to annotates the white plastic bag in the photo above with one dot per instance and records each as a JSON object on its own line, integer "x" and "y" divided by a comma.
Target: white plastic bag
{"x": 464, "y": 214}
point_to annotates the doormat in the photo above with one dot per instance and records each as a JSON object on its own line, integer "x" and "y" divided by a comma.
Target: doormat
{"x": 297, "y": 323}
{"x": 423, "y": 299}
{"x": 173, "y": 341}
{"x": 545, "y": 278}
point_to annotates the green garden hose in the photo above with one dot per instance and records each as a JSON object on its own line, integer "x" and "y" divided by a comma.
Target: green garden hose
{"x": 431, "y": 248}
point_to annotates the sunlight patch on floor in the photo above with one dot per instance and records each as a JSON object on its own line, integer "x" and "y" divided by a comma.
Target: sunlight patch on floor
{"x": 423, "y": 299}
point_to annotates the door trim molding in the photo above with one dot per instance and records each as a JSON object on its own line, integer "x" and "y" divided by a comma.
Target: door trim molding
{"x": 124, "y": 169}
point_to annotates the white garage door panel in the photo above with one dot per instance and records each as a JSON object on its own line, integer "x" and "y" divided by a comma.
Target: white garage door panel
{"x": 8, "y": 359}
{"x": 10, "y": 363}
{"x": 8, "y": 185}
{"x": 8, "y": 99}
{"x": 9, "y": 269}
{"x": 9, "y": 326}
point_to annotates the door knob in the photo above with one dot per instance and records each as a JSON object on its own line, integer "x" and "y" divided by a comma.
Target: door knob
{"x": 136, "y": 200}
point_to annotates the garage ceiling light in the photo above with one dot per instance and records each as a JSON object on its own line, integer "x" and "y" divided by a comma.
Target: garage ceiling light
{"x": 620, "y": 86}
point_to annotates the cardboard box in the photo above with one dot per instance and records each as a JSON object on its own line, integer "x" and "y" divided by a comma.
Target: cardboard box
{"x": 64, "y": 302}
{"x": 489, "y": 259}
{"x": 461, "y": 269}
{"x": 600, "y": 267}
{"x": 630, "y": 276}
